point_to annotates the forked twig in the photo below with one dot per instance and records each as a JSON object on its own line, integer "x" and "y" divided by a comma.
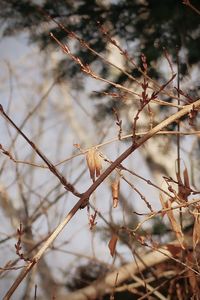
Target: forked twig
{"x": 68, "y": 186}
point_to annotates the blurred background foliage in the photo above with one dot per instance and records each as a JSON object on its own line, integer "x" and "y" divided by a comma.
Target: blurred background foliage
{"x": 141, "y": 25}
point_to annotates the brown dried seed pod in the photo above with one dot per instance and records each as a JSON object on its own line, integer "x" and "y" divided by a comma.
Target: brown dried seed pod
{"x": 98, "y": 163}
{"x": 115, "y": 191}
{"x": 90, "y": 157}
{"x": 112, "y": 244}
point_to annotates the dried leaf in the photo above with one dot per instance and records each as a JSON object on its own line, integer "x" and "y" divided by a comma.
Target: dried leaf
{"x": 193, "y": 282}
{"x": 98, "y": 163}
{"x": 175, "y": 250}
{"x": 175, "y": 226}
{"x": 115, "y": 191}
{"x": 196, "y": 229}
{"x": 112, "y": 244}
{"x": 186, "y": 178}
{"x": 184, "y": 189}
{"x": 164, "y": 206}
{"x": 90, "y": 157}
{"x": 94, "y": 163}
{"x": 192, "y": 277}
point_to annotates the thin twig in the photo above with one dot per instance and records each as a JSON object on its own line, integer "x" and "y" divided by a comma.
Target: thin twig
{"x": 187, "y": 3}
{"x": 68, "y": 186}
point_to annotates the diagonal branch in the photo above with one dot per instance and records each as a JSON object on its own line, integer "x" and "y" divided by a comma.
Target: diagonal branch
{"x": 68, "y": 186}
{"x": 85, "y": 196}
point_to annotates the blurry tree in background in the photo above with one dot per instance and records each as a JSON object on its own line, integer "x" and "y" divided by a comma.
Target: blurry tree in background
{"x": 138, "y": 237}
{"x": 157, "y": 29}
{"x": 143, "y": 26}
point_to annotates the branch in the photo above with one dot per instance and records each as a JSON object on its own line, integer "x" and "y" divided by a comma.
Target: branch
{"x": 85, "y": 197}
{"x": 105, "y": 285}
{"x": 187, "y": 3}
{"x": 68, "y": 186}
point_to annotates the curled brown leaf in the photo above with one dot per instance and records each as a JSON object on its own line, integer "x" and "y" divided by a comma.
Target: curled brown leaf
{"x": 184, "y": 189}
{"x": 94, "y": 163}
{"x": 112, "y": 244}
{"x": 175, "y": 225}
{"x": 98, "y": 163}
